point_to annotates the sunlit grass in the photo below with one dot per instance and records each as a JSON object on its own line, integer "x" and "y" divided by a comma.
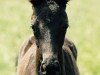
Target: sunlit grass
{"x": 84, "y": 30}
{"x": 14, "y": 28}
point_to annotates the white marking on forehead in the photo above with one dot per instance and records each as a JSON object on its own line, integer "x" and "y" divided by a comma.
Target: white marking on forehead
{"x": 47, "y": 39}
{"x": 46, "y": 44}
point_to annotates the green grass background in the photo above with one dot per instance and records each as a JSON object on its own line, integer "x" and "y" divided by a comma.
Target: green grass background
{"x": 84, "y": 31}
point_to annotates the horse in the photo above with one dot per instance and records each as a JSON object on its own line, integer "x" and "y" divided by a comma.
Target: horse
{"x": 48, "y": 52}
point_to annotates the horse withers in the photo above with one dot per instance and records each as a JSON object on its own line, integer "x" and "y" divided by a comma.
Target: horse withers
{"x": 48, "y": 52}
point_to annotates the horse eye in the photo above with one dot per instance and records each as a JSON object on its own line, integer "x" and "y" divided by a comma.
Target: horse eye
{"x": 35, "y": 24}
{"x": 33, "y": 27}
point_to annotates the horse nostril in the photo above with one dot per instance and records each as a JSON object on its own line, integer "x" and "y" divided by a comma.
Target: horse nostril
{"x": 43, "y": 67}
{"x": 53, "y": 66}
{"x": 56, "y": 62}
{"x": 56, "y": 66}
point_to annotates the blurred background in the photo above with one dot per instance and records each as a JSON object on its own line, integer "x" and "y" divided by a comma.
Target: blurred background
{"x": 84, "y": 31}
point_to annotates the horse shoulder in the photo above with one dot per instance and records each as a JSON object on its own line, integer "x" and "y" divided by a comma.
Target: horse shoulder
{"x": 70, "y": 57}
{"x": 26, "y": 60}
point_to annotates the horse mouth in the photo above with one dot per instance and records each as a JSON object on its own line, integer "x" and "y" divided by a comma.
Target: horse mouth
{"x": 51, "y": 69}
{"x": 50, "y": 73}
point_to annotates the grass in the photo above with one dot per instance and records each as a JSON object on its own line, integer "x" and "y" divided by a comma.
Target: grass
{"x": 84, "y": 31}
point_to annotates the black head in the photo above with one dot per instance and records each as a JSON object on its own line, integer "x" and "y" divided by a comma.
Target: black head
{"x": 49, "y": 28}
{"x": 61, "y": 3}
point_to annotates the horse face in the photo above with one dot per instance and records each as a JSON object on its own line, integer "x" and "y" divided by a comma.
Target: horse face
{"x": 49, "y": 28}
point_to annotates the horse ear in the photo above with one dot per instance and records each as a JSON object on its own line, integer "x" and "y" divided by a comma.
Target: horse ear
{"x": 30, "y": 1}
{"x": 62, "y": 2}
{"x": 36, "y": 2}
{"x": 65, "y": 1}
{"x": 68, "y": 0}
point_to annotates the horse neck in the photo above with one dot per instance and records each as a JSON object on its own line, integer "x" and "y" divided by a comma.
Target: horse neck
{"x": 61, "y": 61}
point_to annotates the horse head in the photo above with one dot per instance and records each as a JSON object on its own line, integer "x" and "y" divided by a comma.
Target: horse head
{"x": 49, "y": 24}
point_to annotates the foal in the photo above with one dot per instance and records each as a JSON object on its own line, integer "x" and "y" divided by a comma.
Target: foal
{"x": 46, "y": 53}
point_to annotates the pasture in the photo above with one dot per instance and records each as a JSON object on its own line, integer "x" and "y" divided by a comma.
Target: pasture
{"x": 84, "y": 31}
